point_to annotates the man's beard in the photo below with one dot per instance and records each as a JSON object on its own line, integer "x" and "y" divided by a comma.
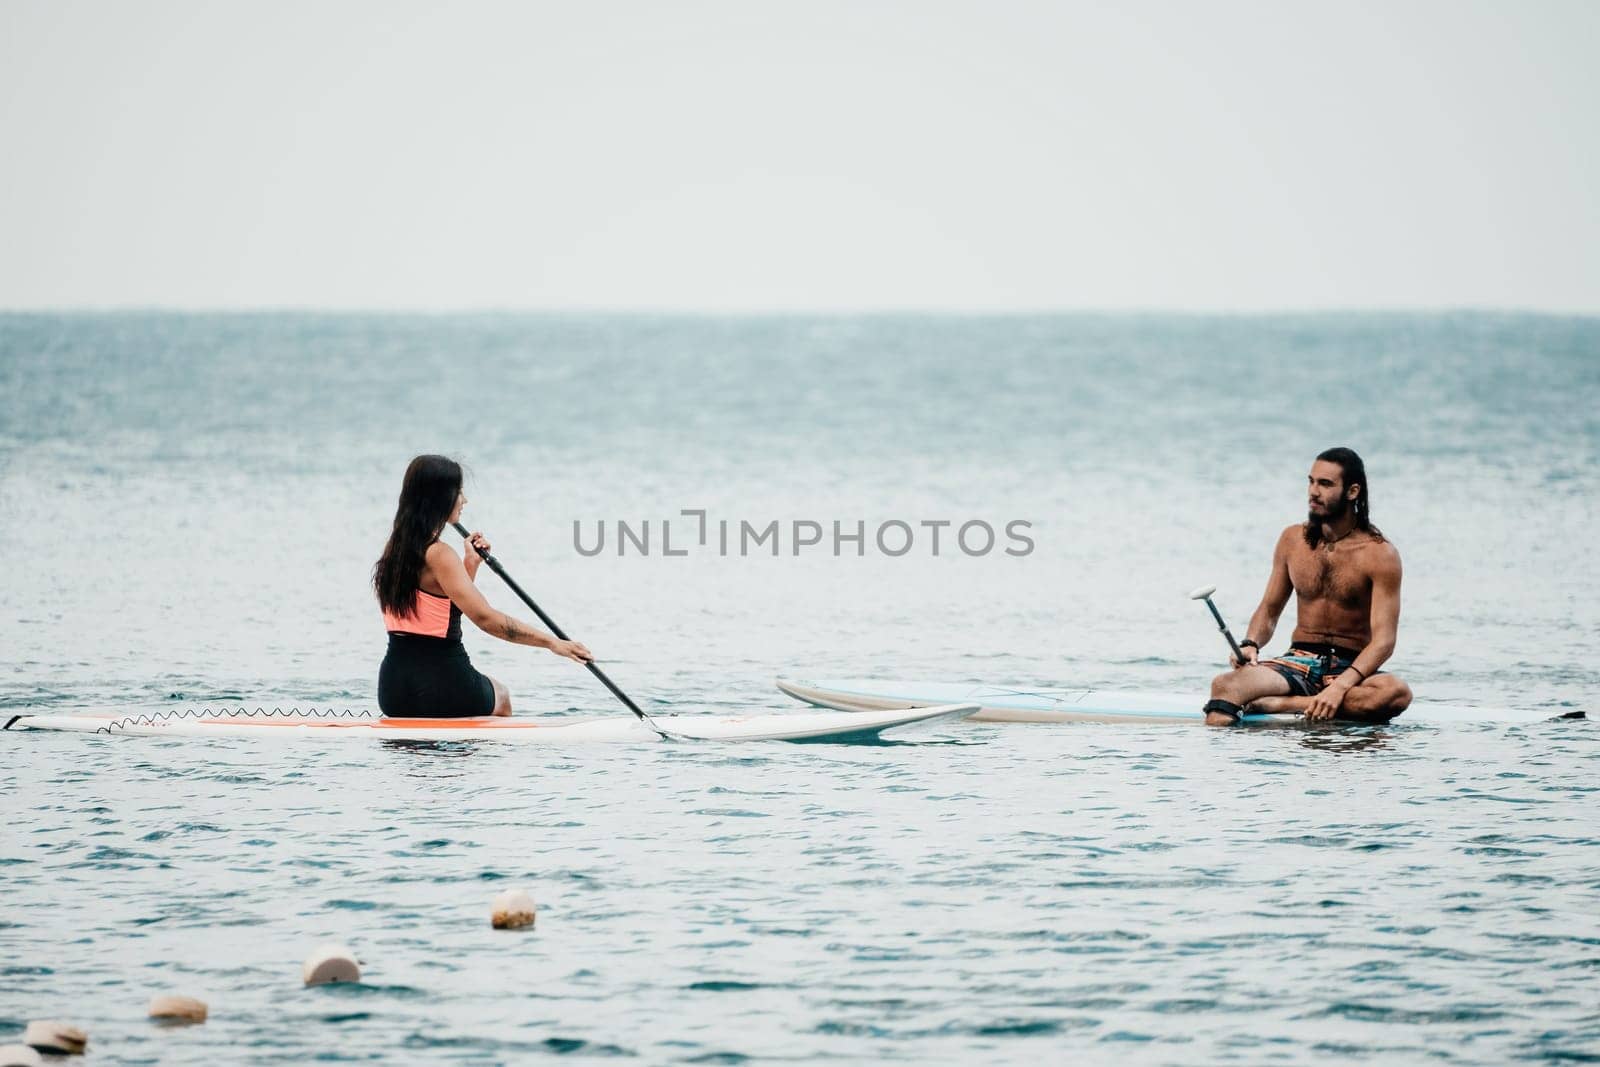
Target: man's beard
{"x": 1335, "y": 512}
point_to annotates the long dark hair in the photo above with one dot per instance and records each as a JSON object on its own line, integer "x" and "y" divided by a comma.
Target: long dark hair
{"x": 1355, "y": 473}
{"x": 427, "y": 496}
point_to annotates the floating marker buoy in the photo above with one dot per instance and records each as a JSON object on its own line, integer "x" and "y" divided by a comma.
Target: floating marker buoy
{"x": 178, "y": 1009}
{"x": 513, "y": 909}
{"x": 48, "y": 1035}
{"x": 330, "y": 963}
{"x": 19, "y": 1056}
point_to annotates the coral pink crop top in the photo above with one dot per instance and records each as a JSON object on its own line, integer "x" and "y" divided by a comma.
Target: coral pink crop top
{"x": 432, "y": 616}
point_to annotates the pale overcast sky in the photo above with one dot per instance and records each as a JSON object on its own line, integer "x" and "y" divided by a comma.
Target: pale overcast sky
{"x": 816, "y": 155}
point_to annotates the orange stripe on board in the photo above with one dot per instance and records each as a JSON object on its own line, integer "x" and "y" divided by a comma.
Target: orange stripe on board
{"x": 475, "y": 723}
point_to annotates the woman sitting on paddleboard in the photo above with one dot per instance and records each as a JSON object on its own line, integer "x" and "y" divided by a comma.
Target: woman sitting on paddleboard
{"x": 424, "y": 588}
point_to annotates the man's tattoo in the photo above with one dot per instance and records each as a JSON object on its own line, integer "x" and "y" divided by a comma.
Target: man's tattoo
{"x": 511, "y": 631}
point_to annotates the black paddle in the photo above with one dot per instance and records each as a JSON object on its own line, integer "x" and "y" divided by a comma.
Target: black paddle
{"x": 1204, "y": 593}
{"x": 494, "y": 565}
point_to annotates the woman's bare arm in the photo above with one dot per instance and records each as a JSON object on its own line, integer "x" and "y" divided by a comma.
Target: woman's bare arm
{"x": 451, "y": 574}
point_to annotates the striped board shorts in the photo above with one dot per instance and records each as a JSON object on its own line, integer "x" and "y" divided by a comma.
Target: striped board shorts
{"x": 1307, "y": 668}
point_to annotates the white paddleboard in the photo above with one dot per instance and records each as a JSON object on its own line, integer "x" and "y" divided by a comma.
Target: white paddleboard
{"x": 804, "y": 726}
{"x": 1008, "y": 704}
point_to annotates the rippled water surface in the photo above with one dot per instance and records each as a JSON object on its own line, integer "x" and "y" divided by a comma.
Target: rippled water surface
{"x": 191, "y": 505}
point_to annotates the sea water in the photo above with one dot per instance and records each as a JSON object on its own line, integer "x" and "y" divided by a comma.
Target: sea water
{"x": 191, "y": 505}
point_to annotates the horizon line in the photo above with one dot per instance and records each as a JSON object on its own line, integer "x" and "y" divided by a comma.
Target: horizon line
{"x": 637, "y": 311}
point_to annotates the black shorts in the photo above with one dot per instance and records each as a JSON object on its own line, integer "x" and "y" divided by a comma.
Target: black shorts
{"x": 431, "y": 678}
{"x": 1307, "y": 668}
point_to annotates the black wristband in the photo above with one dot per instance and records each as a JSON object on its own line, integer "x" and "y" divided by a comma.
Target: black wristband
{"x": 1252, "y": 643}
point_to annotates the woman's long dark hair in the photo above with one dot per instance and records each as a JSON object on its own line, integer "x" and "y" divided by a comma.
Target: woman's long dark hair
{"x": 1355, "y": 473}
{"x": 427, "y": 496}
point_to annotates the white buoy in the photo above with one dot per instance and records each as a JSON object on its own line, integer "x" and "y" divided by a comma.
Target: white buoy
{"x": 48, "y": 1035}
{"x": 19, "y": 1056}
{"x": 330, "y": 963}
{"x": 172, "y": 1009}
{"x": 513, "y": 909}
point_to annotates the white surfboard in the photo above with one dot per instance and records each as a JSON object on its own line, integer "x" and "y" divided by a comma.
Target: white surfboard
{"x": 1047, "y": 704}
{"x": 831, "y": 726}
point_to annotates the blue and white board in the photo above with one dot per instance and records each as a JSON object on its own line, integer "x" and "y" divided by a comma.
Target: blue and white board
{"x": 1021, "y": 704}
{"x": 802, "y": 726}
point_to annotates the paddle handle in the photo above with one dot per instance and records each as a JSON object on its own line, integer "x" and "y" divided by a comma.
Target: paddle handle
{"x": 494, "y": 565}
{"x": 1238, "y": 653}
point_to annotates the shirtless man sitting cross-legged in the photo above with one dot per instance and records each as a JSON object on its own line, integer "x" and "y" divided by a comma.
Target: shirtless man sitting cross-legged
{"x": 1346, "y": 579}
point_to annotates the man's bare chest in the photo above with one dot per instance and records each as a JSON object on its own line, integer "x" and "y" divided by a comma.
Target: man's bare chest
{"x": 1336, "y": 575}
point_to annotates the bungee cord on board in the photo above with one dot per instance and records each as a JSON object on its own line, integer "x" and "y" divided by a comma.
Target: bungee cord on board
{"x": 160, "y": 717}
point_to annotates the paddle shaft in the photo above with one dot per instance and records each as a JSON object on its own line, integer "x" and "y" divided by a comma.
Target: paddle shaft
{"x": 1238, "y": 653}
{"x": 494, "y": 565}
